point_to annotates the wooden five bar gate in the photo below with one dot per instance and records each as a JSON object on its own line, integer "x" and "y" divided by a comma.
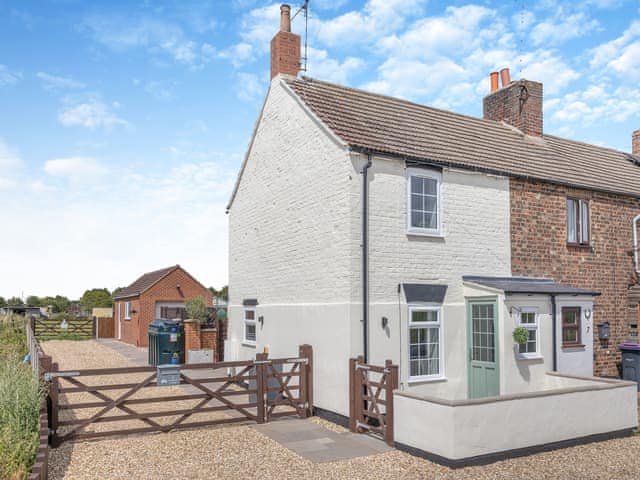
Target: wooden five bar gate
{"x": 82, "y": 327}
{"x": 371, "y": 398}
{"x": 133, "y": 397}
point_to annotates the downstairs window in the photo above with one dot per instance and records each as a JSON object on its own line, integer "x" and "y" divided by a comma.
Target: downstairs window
{"x": 425, "y": 343}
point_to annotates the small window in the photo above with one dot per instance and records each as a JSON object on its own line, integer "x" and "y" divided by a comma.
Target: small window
{"x": 250, "y": 326}
{"x": 127, "y": 310}
{"x": 577, "y": 222}
{"x": 425, "y": 343}
{"x": 423, "y": 209}
{"x": 571, "y": 326}
{"x": 529, "y": 320}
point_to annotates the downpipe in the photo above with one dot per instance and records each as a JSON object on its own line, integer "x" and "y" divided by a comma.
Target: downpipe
{"x": 365, "y": 258}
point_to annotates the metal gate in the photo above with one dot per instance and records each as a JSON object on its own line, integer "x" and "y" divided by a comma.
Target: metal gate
{"x": 371, "y": 398}
{"x": 84, "y": 403}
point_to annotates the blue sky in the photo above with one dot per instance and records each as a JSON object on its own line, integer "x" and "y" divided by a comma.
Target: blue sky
{"x": 122, "y": 125}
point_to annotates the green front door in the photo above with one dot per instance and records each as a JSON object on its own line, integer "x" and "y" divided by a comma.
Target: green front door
{"x": 484, "y": 374}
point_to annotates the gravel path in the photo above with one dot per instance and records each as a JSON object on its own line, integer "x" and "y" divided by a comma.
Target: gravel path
{"x": 240, "y": 452}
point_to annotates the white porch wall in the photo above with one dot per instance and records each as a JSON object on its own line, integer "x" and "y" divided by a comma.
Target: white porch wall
{"x": 576, "y": 360}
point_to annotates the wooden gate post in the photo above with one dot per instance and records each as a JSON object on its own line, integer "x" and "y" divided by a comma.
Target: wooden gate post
{"x": 260, "y": 385}
{"x": 390, "y": 385}
{"x": 352, "y": 394}
{"x": 359, "y": 393}
{"x": 306, "y": 379}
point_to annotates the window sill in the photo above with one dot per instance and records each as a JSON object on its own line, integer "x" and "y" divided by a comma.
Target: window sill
{"x": 524, "y": 356}
{"x": 421, "y": 233}
{"x": 127, "y": 318}
{"x": 577, "y": 246}
{"x": 414, "y": 380}
{"x": 249, "y": 344}
{"x": 576, "y": 345}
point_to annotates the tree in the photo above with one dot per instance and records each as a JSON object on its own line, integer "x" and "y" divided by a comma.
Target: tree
{"x": 95, "y": 298}
{"x": 115, "y": 292}
{"x": 3, "y": 302}
{"x": 223, "y": 293}
{"x": 33, "y": 301}
{"x": 15, "y": 301}
{"x": 196, "y": 309}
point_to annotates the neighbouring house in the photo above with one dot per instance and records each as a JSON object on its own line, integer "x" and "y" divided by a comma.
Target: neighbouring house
{"x": 158, "y": 294}
{"x": 368, "y": 225}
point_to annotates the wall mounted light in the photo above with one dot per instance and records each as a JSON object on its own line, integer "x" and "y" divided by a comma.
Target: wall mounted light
{"x": 385, "y": 322}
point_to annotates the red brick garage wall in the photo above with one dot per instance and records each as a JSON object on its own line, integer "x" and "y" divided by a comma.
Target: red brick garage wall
{"x": 129, "y": 328}
{"x": 539, "y": 248}
{"x": 166, "y": 291}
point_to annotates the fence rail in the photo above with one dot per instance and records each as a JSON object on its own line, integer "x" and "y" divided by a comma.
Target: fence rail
{"x": 84, "y": 327}
{"x": 259, "y": 390}
{"x": 41, "y": 364}
{"x": 371, "y": 398}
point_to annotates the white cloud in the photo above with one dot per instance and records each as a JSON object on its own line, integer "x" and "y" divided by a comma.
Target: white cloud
{"x": 321, "y": 65}
{"x": 249, "y": 88}
{"x": 562, "y": 27}
{"x": 91, "y": 114}
{"x": 76, "y": 169}
{"x": 598, "y": 104}
{"x": 238, "y": 54}
{"x": 9, "y": 158}
{"x": 545, "y": 67}
{"x": 609, "y": 51}
{"x": 55, "y": 83}
{"x": 156, "y": 36}
{"x": 8, "y": 77}
{"x": 627, "y": 64}
{"x": 159, "y": 90}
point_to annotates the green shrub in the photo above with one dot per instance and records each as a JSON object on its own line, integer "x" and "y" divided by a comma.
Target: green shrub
{"x": 196, "y": 309}
{"x": 521, "y": 335}
{"x": 21, "y": 397}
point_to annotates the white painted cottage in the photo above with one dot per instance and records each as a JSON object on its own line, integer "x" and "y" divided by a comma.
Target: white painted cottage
{"x": 425, "y": 280}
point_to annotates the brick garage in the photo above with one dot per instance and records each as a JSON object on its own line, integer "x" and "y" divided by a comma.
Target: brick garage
{"x": 539, "y": 248}
{"x": 141, "y": 300}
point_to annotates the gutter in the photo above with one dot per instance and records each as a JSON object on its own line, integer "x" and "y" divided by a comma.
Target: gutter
{"x": 365, "y": 258}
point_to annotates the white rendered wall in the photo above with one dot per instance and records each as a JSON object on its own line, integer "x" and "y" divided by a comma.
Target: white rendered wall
{"x": 289, "y": 246}
{"x": 576, "y": 360}
{"x": 463, "y": 431}
{"x": 475, "y": 241}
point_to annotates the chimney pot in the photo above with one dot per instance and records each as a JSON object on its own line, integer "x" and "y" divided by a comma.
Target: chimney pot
{"x": 285, "y": 18}
{"x": 505, "y": 76}
{"x": 518, "y": 103}
{"x": 635, "y": 143}
{"x": 493, "y": 77}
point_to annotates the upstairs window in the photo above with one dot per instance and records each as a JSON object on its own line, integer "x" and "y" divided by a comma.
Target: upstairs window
{"x": 577, "y": 222}
{"x": 424, "y": 199}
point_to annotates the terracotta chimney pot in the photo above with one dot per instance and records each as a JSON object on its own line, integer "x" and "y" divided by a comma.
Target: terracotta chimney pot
{"x": 505, "y": 76}
{"x": 635, "y": 143}
{"x": 493, "y": 77}
{"x": 285, "y": 18}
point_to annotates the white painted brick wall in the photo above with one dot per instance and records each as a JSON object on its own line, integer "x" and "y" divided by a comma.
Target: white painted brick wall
{"x": 289, "y": 222}
{"x": 476, "y": 240}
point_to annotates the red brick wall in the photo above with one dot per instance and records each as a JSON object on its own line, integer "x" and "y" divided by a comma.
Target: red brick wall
{"x": 521, "y": 110}
{"x": 136, "y": 331}
{"x": 539, "y": 248}
{"x": 285, "y": 54}
{"x": 129, "y": 328}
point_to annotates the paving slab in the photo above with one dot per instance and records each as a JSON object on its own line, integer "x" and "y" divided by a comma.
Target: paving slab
{"x": 319, "y": 445}
{"x": 136, "y": 355}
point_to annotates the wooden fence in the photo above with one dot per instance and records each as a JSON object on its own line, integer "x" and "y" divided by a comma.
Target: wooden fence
{"x": 259, "y": 390}
{"x": 83, "y": 327}
{"x": 41, "y": 364}
{"x": 371, "y": 398}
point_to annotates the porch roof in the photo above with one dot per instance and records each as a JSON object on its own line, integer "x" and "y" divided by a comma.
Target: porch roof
{"x": 528, "y": 285}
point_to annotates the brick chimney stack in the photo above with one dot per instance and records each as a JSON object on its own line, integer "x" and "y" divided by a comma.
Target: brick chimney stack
{"x": 635, "y": 143}
{"x": 285, "y": 47}
{"x": 518, "y": 103}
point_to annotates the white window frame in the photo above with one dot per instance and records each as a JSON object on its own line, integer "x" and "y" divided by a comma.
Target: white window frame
{"x": 127, "y": 310}
{"x": 434, "y": 175}
{"x": 246, "y": 322}
{"x": 411, "y": 325}
{"x": 530, "y": 326}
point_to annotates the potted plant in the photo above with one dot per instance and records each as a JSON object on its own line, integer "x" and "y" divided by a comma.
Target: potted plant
{"x": 196, "y": 309}
{"x": 521, "y": 337}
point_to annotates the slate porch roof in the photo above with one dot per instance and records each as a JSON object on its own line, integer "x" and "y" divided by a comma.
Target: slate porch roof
{"x": 527, "y": 285}
{"x": 386, "y": 125}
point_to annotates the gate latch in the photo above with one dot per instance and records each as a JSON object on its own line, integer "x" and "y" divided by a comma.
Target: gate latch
{"x": 50, "y": 375}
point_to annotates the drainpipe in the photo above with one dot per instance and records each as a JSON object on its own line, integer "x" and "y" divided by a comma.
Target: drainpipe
{"x": 554, "y": 322}
{"x": 635, "y": 242}
{"x": 365, "y": 259}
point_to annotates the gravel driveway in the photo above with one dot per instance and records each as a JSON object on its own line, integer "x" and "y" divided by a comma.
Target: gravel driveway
{"x": 240, "y": 452}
